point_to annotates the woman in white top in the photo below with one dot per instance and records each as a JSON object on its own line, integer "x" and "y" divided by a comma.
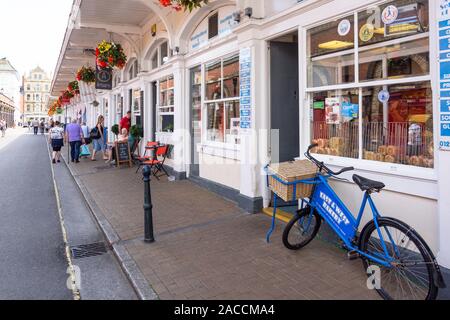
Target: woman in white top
{"x": 56, "y": 139}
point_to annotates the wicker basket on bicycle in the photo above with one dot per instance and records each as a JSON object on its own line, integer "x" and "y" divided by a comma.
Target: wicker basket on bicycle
{"x": 289, "y": 173}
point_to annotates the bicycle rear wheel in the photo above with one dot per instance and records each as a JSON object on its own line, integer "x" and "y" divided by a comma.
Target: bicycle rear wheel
{"x": 412, "y": 271}
{"x": 302, "y": 229}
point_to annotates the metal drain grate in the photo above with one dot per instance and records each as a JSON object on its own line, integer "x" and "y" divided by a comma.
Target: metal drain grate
{"x": 88, "y": 250}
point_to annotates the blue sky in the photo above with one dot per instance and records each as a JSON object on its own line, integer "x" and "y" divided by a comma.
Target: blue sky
{"x": 32, "y": 31}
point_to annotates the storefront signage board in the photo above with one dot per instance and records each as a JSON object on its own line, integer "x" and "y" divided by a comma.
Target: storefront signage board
{"x": 245, "y": 68}
{"x": 103, "y": 79}
{"x": 123, "y": 154}
{"x": 444, "y": 74}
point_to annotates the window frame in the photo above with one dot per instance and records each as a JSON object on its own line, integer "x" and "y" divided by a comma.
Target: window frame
{"x": 160, "y": 113}
{"x": 370, "y": 165}
{"x": 205, "y": 102}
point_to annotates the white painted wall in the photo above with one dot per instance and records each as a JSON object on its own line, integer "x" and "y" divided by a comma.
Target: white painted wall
{"x": 220, "y": 170}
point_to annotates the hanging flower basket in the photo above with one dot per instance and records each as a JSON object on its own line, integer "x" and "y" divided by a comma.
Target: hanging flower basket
{"x": 59, "y": 110}
{"x": 110, "y": 55}
{"x": 67, "y": 95}
{"x": 74, "y": 87}
{"x": 86, "y": 74}
{"x": 179, "y": 5}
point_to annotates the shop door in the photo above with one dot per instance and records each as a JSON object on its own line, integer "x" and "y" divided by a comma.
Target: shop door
{"x": 196, "y": 118}
{"x": 284, "y": 84}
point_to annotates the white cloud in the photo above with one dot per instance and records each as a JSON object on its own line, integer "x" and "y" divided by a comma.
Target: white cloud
{"x": 32, "y": 31}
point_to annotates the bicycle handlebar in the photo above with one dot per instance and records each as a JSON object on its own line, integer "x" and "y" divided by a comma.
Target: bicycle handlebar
{"x": 322, "y": 165}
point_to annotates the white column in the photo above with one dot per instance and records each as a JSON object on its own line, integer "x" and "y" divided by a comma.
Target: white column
{"x": 254, "y": 143}
{"x": 180, "y": 131}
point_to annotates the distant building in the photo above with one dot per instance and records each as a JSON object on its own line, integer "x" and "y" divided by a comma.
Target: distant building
{"x": 10, "y": 84}
{"x": 7, "y": 109}
{"x": 36, "y": 87}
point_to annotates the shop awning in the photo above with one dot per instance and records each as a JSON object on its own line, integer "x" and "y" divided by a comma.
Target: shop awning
{"x": 92, "y": 21}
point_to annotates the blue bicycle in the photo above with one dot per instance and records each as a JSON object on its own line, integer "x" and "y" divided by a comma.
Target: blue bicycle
{"x": 407, "y": 267}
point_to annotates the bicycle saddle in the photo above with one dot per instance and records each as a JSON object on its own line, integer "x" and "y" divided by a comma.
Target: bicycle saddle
{"x": 367, "y": 184}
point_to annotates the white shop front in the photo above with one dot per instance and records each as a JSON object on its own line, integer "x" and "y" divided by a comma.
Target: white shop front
{"x": 367, "y": 91}
{"x": 360, "y": 78}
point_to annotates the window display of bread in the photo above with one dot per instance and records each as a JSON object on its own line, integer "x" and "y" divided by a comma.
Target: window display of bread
{"x": 389, "y": 158}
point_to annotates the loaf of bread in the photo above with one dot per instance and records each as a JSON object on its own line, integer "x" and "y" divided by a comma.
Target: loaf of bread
{"x": 392, "y": 151}
{"x": 369, "y": 155}
{"x": 414, "y": 161}
{"x": 428, "y": 163}
{"x": 382, "y": 150}
{"x": 336, "y": 142}
{"x": 389, "y": 158}
{"x": 379, "y": 156}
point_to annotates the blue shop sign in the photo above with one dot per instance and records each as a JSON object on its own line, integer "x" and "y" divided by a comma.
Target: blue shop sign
{"x": 444, "y": 44}
{"x": 445, "y": 94}
{"x": 444, "y": 33}
{"x": 245, "y": 125}
{"x": 445, "y": 129}
{"x": 245, "y": 92}
{"x": 445, "y": 105}
{"x": 245, "y": 101}
{"x": 445, "y": 85}
{"x": 445, "y": 117}
{"x": 444, "y": 24}
{"x": 445, "y": 70}
{"x": 246, "y": 113}
{"x": 444, "y": 55}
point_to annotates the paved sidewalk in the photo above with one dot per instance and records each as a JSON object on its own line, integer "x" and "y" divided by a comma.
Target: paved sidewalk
{"x": 207, "y": 248}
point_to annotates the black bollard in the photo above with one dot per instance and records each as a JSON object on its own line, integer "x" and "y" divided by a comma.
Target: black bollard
{"x": 148, "y": 206}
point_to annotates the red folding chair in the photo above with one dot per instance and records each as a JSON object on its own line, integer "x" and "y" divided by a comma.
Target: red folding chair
{"x": 151, "y": 145}
{"x": 158, "y": 165}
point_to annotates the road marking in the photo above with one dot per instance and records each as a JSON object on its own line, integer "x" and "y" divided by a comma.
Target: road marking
{"x": 72, "y": 270}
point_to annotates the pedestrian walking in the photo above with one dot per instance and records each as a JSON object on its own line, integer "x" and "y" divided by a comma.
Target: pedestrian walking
{"x": 97, "y": 136}
{"x": 74, "y": 135}
{"x": 56, "y": 139}
{"x": 35, "y": 125}
{"x": 42, "y": 127}
{"x": 86, "y": 133}
{"x": 3, "y": 127}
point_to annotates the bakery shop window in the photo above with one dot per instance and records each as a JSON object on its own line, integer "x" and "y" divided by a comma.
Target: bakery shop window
{"x": 399, "y": 129}
{"x": 382, "y": 110}
{"x": 335, "y": 123}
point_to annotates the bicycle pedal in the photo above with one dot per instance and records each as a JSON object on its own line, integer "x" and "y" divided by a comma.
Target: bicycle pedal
{"x": 353, "y": 255}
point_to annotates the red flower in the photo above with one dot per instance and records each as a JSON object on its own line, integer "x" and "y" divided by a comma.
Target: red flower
{"x": 165, "y": 3}
{"x": 97, "y": 52}
{"x": 111, "y": 59}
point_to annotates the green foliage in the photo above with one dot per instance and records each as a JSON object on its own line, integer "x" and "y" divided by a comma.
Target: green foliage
{"x": 115, "y": 129}
{"x": 136, "y": 131}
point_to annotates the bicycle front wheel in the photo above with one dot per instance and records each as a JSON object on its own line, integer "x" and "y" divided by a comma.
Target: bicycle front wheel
{"x": 410, "y": 275}
{"x": 302, "y": 229}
